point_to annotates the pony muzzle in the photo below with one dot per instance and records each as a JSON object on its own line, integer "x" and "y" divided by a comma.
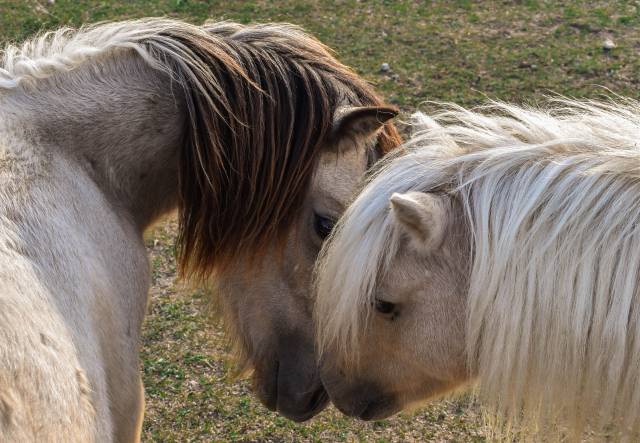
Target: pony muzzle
{"x": 291, "y": 385}
{"x": 356, "y": 397}
{"x": 366, "y": 402}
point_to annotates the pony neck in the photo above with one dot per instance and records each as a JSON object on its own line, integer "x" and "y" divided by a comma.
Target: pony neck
{"x": 121, "y": 121}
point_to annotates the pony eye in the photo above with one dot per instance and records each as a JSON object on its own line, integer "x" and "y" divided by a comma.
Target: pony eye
{"x": 385, "y": 307}
{"x": 323, "y": 226}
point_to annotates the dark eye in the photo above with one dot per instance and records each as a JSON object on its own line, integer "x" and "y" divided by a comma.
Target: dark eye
{"x": 323, "y": 226}
{"x": 385, "y": 307}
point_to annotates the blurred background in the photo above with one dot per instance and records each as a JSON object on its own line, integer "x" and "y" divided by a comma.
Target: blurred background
{"x": 412, "y": 51}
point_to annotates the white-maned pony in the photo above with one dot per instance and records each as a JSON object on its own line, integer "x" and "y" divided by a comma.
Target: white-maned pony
{"x": 503, "y": 247}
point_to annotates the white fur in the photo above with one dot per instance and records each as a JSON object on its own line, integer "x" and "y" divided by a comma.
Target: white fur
{"x": 552, "y": 201}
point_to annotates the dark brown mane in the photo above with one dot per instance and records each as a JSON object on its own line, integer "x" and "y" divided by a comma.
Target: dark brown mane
{"x": 261, "y": 102}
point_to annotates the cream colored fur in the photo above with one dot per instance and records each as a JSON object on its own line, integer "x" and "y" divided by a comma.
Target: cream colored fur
{"x": 92, "y": 123}
{"x": 70, "y": 310}
{"x": 550, "y": 200}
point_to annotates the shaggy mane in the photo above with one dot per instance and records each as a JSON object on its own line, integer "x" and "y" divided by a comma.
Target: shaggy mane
{"x": 260, "y": 99}
{"x": 552, "y": 200}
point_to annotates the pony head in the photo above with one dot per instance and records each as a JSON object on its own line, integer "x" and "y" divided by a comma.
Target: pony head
{"x": 314, "y": 128}
{"x": 502, "y": 247}
{"x": 391, "y": 314}
{"x": 268, "y": 308}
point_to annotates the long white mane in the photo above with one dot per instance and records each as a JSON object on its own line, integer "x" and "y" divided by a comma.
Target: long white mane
{"x": 552, "y": 200}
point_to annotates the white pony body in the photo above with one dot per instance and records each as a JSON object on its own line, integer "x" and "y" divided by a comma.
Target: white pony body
{"x": 69, "y": 341}
{"x": 550, "y": 200}
{"x": 75, "y": 275}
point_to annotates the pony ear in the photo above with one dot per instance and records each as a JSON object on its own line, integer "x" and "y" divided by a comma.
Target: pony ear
{"x": 422, "y": 216}
{"x": 357, "y": 125}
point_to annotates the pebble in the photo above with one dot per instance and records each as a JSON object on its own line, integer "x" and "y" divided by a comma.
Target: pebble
{"x": 385, "y": 67}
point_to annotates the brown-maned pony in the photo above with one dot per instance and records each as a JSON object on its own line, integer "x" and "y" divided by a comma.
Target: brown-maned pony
{"x": 105, "y": 129}
{"x": 268, "y": 308}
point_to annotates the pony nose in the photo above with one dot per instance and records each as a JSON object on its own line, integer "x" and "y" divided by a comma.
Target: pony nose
{"x": 360, "y": 399}
{"x": 291, "y": 390}
{"x": 300, "y": 393}
{"x": 352, "y": 407}
{"x": 367, "y": 408}
{"x": 302, "y": 406}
